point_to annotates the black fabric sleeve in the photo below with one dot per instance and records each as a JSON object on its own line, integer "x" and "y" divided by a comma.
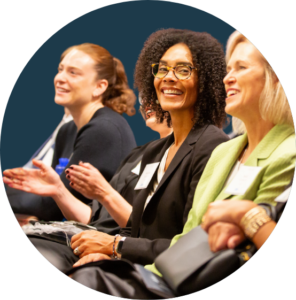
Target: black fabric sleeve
{"x": 98, "y": 143}
{"x": 136, "y": 249}
{"x": 144, "y": 251}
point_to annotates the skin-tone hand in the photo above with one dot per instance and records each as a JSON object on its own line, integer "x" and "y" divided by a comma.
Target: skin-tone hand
{"x": 224, "y": 235}
{"x": 43, "y": 182}
{"x": 229, "y": 211}
{"x": 91, "y": 241}
{"x": 91, "y": 258}
{"x": 88, "y": 181}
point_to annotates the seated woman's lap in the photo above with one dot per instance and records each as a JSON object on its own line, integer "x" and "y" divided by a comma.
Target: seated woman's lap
{"x": 109, "y": 278}
{"x": 61, "y": 256}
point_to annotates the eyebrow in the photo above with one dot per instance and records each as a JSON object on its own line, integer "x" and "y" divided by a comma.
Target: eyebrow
{"x": 178, "y": 63}
{"x": 69, "y": 67}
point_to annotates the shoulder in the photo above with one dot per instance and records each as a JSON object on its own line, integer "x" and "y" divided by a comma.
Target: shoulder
{"x": 230, "y": 143}
{"x": 107, "y": 122}
{"x": 286, "y": 147}
{"x": 68, "y": 129}
{"x": 207, "y": 137}
{"x": 107, "y": 115}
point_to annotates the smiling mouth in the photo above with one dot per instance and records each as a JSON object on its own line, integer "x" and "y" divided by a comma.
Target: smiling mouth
{"x": 172, "y": 92}
{"x": 231, "y": 93}
{"x": 61, "y": 90}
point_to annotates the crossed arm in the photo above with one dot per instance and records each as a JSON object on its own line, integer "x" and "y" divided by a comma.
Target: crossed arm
{"x": 222, "y": 223}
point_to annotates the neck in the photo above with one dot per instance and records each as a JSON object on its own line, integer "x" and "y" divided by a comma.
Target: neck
{"x": 256, "y": 132}
{"x": 82, "y": 115}
{"x": 165, "y": 132}
{"x": 182, "y": 124}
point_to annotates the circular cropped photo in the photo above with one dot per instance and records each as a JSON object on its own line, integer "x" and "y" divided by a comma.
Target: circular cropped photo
{"x": 153, "y": 152}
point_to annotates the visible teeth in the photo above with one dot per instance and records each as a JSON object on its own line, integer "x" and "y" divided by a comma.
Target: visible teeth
{"x": 61, "y": 90}
{"x": 172, "y": 92}
{"x": 231, "y": 93}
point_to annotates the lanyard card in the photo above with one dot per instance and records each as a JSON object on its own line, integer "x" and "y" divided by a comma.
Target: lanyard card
{"x": 242, "y": 180}
{"x": 146, "y": 176}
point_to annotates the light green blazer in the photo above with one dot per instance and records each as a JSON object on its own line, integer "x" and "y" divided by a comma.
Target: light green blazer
{"x": 275, "y": 154}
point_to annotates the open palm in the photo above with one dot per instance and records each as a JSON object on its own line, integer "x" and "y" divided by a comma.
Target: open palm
{"x": 43, "y": 182}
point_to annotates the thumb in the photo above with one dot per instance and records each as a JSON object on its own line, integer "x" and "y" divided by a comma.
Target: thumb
{"x": 39, "y": 164}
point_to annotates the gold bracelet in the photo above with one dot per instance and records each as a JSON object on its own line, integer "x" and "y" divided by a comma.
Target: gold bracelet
{"x": 253, "y": 220}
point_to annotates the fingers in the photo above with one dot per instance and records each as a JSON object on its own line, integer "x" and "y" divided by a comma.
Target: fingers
{"x": 17, "y": 172}
{"x": 75, "y": 238}
{"x": 235, "y": 240}
{"x": 90, "y": 258}
{"x": 16, "y": 184}
{"x": 87, "y": 166}
{"x": 78, "y": 170}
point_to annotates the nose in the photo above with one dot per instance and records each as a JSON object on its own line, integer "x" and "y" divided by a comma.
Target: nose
{"x": 60, "y": 77}
{"x": 170, "y": 76}
{"x": 229, "y": 78}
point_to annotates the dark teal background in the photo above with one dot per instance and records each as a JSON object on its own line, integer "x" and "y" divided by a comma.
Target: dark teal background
{"x": 31, "y": 114}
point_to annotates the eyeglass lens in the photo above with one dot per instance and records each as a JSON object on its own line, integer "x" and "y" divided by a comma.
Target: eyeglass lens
{"x": 181, "y": 72}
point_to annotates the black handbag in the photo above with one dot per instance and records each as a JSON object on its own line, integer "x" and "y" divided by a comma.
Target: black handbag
{"x": 189, "y": 265}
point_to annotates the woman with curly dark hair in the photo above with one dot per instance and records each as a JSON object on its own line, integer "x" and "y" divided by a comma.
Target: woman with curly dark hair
{"x": 171, "y": 82}
{"x": 180, "y": 76}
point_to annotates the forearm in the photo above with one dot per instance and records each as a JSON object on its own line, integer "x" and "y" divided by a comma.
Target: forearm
{"x": 71, "y": 207}
{"x": 119, "y": 209}
{"x": 263, "y": 233}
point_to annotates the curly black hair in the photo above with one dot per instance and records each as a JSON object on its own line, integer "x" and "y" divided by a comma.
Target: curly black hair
{"x": 208, "y": 57}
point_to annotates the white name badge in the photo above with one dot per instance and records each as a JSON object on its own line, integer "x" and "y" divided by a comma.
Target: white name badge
{"x": 136, "y": 170}
{"x": 242, "y": 180}
{"x": 146, "y": 176}
{"x": 283, "y": 197}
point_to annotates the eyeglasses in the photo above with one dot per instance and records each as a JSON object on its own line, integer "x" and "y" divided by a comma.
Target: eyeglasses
{"x": 181, "y": 71}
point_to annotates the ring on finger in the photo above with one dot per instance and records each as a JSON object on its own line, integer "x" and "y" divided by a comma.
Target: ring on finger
{"x": 76, "y": 251}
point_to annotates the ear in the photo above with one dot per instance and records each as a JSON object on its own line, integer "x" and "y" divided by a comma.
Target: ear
{"x": 101, "y": 87}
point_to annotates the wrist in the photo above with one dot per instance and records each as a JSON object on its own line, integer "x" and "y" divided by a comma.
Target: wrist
{"x": 119, "y": 247}
{"x": 244, "y": 208}
{"x": 59, "y": 192}
{"x": 253, "y": 220}
{"x": 106, "y": 197}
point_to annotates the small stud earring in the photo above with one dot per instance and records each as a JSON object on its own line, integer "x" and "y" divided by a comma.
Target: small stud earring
{"x": 156, "y": 101}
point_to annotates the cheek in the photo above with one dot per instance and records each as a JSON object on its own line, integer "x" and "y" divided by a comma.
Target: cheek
{"x": 156, "y": 85}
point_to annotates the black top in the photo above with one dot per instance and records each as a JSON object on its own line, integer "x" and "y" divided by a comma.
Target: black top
{"x": 103, "y": 142}
{"x": 166, "y": 213}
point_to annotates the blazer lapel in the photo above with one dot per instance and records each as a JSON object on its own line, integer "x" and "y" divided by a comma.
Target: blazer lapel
{"x": 153, "y": 153}
{"x": 185, "y": 148}
{"x": 264, "y": 149}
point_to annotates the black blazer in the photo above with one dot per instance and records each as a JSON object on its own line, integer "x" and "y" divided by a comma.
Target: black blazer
{"x": 167, "y": 211}
{"x": 124, "y": 182}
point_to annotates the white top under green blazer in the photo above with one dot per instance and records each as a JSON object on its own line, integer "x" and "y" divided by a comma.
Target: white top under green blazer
{"x": 275, "y": 154}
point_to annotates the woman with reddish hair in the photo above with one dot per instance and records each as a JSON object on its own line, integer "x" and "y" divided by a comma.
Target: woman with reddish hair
{"x": 93, "y": 86}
